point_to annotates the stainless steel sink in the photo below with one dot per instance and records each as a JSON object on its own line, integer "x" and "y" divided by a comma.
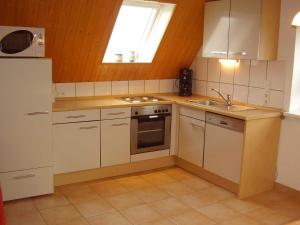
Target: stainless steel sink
{"x": 205, "y": 102}
{"x": 221, "y": 105}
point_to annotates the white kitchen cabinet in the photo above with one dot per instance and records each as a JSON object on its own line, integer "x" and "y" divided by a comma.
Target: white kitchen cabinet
{"x": 76, "y": 146}
{"x": 241, "y": 29}
{"x": 115, "y": 142}
{"x": 191, "y": 140}
{"x": 25, "y": 127}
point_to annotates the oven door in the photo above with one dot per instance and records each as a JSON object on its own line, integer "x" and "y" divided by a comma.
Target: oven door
{"x": 150, "y": 133}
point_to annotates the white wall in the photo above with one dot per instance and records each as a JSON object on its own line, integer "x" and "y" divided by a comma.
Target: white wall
{"x": 289, "y": 149}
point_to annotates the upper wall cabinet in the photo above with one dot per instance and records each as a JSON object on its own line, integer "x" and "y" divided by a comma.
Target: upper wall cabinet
{"x": 241, "y": 29}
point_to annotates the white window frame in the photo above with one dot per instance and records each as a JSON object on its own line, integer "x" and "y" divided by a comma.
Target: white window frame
{"x": 152, "y": 36}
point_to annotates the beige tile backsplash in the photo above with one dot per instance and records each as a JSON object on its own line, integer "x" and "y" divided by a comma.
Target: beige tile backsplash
{"x": 254, "y": 82}
{"x": 108, "y": 88}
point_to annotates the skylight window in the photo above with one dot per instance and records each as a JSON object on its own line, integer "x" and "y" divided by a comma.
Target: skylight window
{"x": 138, "y": 31}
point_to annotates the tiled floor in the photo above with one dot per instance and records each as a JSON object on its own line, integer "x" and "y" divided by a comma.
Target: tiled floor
{"x": 167, "y": 197}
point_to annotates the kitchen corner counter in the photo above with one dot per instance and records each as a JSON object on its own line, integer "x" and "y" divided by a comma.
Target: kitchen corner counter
{"x": 82, "y": 103}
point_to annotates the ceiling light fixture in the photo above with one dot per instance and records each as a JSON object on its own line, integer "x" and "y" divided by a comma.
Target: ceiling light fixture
{"x": 296, "y": 20}
{"x": 229, "y": 62}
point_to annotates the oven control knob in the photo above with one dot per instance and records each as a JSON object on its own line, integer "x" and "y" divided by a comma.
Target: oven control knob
{"x": 155, "y": 111}
{"x": 136, "y": 113}
{"x": 163, "y": 110}
{"x": 167, "y": 110}
{"x": 159, "y": 111}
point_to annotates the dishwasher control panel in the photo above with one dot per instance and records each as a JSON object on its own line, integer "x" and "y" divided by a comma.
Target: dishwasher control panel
{"x": 225, "y": 121}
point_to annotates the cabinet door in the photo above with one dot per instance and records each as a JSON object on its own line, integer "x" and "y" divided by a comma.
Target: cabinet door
{"x": 216, "y": 29}
{"x": 244, "y": 29}
{"x": 76, "y": 146}
{"x": 191, "y": 140}
{"x": 25, "y": 115}
{"x": 115, "y": 142}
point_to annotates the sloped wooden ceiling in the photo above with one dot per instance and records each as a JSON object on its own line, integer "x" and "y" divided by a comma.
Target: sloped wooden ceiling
{"x": 78, "y": 31}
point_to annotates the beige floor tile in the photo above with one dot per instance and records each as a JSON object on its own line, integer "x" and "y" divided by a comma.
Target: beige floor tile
{"x": 218, "y": 212}
{"x": 19, "y": 208}
{"x": 78, "y": 221}
{"x": 267, "y": 216}
{"x": 160, "y": 222}
{"x": 241, "y": 220}
{"x": 170, "y": 206}
{"x": 196, "y": 183}
{"x": 26, "y": 219}
{"x": 289, "y": 207}
{"x": 134, "y": 183}
{"x": 123, "y": 201}
{"x": 176, "y": 189}
{"x": 270, "y": 198}
{"x": 108, "y": 188}
{"x": 50, "y": 201}
{"x": 241, "y": 206}
{"x": 157, "y": 178}
{"x": 76, "y": 193}
{"x": 113, "y": 218}
{"x": 60, "y": 215}
{"x": 215, "y": 194}
{"x": 194, "y": 201}
{"x": 93, "y": 207}
{"x": 140, "y": 214}
{"x": 153, "y": 194}
{"x": 191, "y": 218}
{"x": 178, "y": 174}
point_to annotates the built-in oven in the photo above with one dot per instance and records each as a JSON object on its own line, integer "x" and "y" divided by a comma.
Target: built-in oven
{"x": 150, "y": 128}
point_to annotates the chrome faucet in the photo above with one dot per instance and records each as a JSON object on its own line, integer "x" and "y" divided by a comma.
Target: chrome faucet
{"x": 228, "y": 101}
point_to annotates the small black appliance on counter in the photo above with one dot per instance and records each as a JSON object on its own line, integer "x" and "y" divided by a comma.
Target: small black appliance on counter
{"x": 185, "y": 82}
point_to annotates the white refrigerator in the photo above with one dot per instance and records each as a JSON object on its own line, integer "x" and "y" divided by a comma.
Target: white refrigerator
{"x": 26, "y": 162}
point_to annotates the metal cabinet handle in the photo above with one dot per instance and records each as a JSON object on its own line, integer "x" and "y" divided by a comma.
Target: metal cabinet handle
{"x": 223, "y": 122}
{"x": 75, "y": 117}
{"x": 115, "y": 114}
{"x": 195, "y": 125}
{"x": 24, "y": 176}
{"x": 218, "y": 52}
{"x": 119, "y": 124}
{"x": 37, "y": 113}
{"x": 88, "y": 128}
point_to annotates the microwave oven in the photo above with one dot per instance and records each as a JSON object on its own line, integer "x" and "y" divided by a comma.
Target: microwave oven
{"x": 22, "y": 41}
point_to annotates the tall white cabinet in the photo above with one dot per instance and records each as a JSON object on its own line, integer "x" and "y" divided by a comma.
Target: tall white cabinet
{"x": 25, "y": 117}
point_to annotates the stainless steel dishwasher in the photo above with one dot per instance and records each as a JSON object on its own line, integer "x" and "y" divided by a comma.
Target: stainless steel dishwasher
{"x": 224, "y": 138}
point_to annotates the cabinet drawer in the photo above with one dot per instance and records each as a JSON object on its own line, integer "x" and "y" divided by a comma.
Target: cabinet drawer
{"x": 27, "y": 183}
{"x": 115, "y": 113}
{"x": 76, "y": 116}
{"x": 194, "y": 113}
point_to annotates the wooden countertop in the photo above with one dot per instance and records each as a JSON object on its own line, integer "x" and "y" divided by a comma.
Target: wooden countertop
{"x": 70, "y": 104}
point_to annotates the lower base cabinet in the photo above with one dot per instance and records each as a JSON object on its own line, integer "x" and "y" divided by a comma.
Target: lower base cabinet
{"x": 26, "y": 183}
{"x": 76, "y": 146}
{"x": 191, "y": 140}
{"x": 115, "y": 142}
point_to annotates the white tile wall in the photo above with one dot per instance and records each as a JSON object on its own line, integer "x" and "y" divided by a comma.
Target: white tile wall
{"x": 214, "y": 70}
{"x": 136, "y": 86}
{"x": 242, "y": 73}
{"x": 257, "y": 96}
{"x": 119, "y": 87}
{"x": 85, "y": 89}
{"x": 107, "y": 88}
{"x": 166, "y": 86}
{"x": 103, "y": 88}
{"x": 200, "y": 72}
{"x": 210, "y": 86}
{"x": 254, "y": 82}
{"x": 258, "y": 74}
{"x": 65, "y": 89}
{"x": 151, "y": 86}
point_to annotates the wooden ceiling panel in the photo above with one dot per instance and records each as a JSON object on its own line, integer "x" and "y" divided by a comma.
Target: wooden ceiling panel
{"x": 78, "y": 31}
